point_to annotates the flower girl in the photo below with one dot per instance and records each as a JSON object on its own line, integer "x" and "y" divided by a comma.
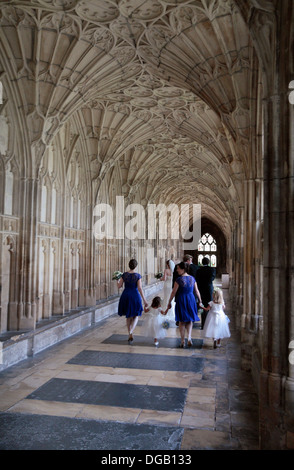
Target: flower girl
{"x": 216, "y": 324}
{"x": 152, "y": 326}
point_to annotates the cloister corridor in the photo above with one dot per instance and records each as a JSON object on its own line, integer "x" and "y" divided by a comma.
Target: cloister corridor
{"x": 147, "y": 130}
{"x": 134, "y": 396}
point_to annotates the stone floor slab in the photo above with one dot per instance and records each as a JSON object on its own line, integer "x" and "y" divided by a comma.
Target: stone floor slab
{"x": 37, "y": 432}
{"x": 138, "y": 361}
{"x": 203, "y": 439}
{"x": 112, "y": 394}
{"x": 143, "y": 341}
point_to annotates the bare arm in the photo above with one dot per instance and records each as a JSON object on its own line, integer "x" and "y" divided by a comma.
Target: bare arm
{"x": 197, "y": 292}
{"x": 173, "y": 293}
{"x": 120, "y": 282}
{"x": 166, "y": 273}
{"x": 139, "y": 284}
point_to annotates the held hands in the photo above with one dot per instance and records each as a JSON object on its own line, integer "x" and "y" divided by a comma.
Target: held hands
{"x": 202, "y": 306}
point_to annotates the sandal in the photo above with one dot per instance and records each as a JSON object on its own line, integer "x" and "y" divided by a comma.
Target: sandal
{"x": 190, "y": 343}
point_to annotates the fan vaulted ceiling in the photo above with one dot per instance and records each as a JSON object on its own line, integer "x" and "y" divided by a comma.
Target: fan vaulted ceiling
{"x": 161, "y": 89}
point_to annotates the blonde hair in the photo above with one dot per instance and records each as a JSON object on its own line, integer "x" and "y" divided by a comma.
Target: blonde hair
{"x": 218, "y": 296}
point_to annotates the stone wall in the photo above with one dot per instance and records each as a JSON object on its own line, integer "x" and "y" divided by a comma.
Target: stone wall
{"x": 157, "y": 103}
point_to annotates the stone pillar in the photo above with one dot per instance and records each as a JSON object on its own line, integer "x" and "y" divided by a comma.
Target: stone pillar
{"x": 88, "y": 288}
{"x": 7, "y": 256}
{"x": 58, "y": 292}
{"x": 271, "y": 27}
{"x": 289, "y": 383}
{"x": 277, "y": 269}
{"x": 249, "y": 252}
{"x": 251, "y": 288}
{"x": 240, "y": 266}
{"x": 27, "y": 254}
{"x": 278, "y": 260}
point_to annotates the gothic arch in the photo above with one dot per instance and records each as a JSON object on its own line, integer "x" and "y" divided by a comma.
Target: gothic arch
{"x": 223, "y": 263}
{"x": 159, "y": 102}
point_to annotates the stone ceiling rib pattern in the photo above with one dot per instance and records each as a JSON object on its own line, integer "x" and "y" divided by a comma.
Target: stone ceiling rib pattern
{"x": 160, "y": 89}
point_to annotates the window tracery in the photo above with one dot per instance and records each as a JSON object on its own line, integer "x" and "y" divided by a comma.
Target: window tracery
{"x": 207, "y": 247}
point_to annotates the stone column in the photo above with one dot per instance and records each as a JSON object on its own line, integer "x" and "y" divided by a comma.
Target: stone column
{"x": 278, "y": 256}
{"x": 251, "y": 278}
{"x": 59, "y": 267}
{"x": 271, "y": 27}
{"x": 240, "y": 267}
{"x": 289, "y": 383}
{"x": 28, "y": 254}
{"x": 277, "y": 272}
{"x": 89, "y": 290}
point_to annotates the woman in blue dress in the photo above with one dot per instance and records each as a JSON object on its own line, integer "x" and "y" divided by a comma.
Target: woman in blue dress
{"x": 130, "y": 303}
{"x": 186, "y": 307}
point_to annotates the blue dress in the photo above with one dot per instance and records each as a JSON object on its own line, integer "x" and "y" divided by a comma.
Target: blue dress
{"x": 130, "y": 303}
{"x": 186, "y": 307}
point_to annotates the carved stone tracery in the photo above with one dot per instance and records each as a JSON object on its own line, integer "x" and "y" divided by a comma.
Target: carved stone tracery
{"x": 140, "y": 99}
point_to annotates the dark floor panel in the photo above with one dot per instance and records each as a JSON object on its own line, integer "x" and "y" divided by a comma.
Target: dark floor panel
{"x": 36, "y": 432}
{"x": 112, "y": 394}
{"x": 143, "y": 341}
{"x": 172, "y": 324}
{"x": 138, "y": 361}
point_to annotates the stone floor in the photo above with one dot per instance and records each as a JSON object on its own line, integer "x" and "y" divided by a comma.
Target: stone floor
{"x": 95, "y": 391}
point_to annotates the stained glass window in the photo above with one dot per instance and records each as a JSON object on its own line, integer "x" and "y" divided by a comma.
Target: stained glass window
{"x": 213, "y": 261}
{"x": 206, "y": 245}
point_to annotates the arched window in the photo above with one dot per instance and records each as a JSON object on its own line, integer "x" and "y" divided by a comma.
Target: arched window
{"x": 213, "y": 261}
{"x": 207, "y": 248}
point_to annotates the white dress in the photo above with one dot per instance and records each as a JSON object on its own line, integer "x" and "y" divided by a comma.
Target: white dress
{"x": 167, "y": 288}
{"x": 152, "y": 325}
{"x": 217, "y": 323}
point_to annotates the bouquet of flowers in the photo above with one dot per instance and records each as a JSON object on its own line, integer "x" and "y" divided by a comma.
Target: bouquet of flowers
{"x": 165, "y": 325}
{"x": 159, "y": 275}
{"x": 116, "y": 275}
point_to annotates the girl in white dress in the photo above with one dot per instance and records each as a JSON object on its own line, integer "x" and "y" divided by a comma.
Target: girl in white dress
{"x": 217, "y": 323}
{"x": 152, "y": 326}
